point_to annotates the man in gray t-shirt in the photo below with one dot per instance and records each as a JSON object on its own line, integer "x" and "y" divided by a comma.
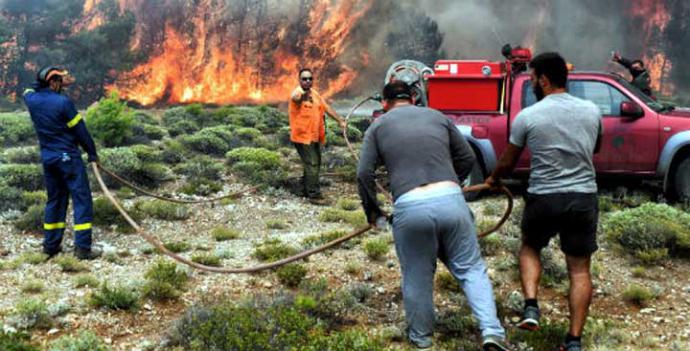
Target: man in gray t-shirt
{"x": 562, "y": 133}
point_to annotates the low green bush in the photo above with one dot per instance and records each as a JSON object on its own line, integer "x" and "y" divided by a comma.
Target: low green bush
{"x": 17, "y": 341}
{"x": 27, "y": 177}
{"x": 30, "y": 198}
{"x": 164, "y": 280}
{"x": 291, "y": 275}
{"x": 173, "y": 152}
{"x": 223, "y": 234}
{"x": 348, "y": 204}
{"x": 146, "y": 153}
{"x": 16, "y": 129}
{"x": 9, "y": 196}
{"x": 33, "y": 258}
{"x": 84, "y": 341}
{"x": 637, "y": 295}
{"x": 182, "y": 128}
{"x": 456, "y": 323}
{"x": 650, "y": 227}
{"x": 323, "y": 238}
{"x": 543, "y": 339}
{"x": 334, "y": 134}
{"x": 85, "y": 280}
{"x": 276, "y": 224}
{"x": 201, "y": 167}
{"x": 177, "y": 246}
{"x": 122, "y": 161}
{"x": 335, "y": 215}
{"x": 376, "y": 249}
{"x": 210, "y": 141}
{"x": 447, "y": 282}
{"x": 105, "y": 215}
{"x": 33, "y": 313}
{"x": 257, "y": 165}
{"x": 206, "y": 259}
{"x": 273, "y": 250}
{"x": 23, "y": 155}
{"x": 110, "y": 121}
{"x": 31, "y": 220}
{"x": 33, "y": 287}
{"x": 117, "y": 298}
{"x": 201, "y": 187}
{"x": 68, "y": 263}
{"x": 554, "y": 270}
{"x": 652, "y": 257}
{"x": 164, "y": 210}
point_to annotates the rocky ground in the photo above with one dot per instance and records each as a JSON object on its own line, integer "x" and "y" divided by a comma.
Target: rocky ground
{"x": 662, "y": 324}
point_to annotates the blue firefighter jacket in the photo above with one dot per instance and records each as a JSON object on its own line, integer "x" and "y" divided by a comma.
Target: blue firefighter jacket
{"x": 58, "y": 124}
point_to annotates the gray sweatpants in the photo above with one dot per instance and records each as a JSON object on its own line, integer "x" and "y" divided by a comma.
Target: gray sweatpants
{"x": 438, "y": 224}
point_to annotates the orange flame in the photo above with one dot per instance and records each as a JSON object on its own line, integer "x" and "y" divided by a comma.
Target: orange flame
{"x": 198, "y": 68}
{"x": 655, "y": 17}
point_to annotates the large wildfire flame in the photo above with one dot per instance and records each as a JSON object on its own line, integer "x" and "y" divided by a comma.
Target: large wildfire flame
{"x": 202, "y": 67}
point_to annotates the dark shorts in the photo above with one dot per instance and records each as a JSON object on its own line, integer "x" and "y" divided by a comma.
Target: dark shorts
{"x": 574, "y": 216}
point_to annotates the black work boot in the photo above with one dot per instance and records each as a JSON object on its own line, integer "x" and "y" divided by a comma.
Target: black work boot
{"x": 87, "y": 254}
{"x": 52, "y": 253}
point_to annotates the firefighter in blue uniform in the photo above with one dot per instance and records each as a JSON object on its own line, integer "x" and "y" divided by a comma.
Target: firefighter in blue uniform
{"x": 61, "y": 130}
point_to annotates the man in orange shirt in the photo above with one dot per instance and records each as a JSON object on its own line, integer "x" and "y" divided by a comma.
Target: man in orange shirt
{"x": 308, "y": 131}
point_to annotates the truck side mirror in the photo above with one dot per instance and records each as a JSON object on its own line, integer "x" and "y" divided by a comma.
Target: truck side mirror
{"x": 631, "y": 109}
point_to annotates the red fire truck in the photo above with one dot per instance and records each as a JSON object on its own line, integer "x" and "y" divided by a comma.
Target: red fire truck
{"x": 642, "y": 138}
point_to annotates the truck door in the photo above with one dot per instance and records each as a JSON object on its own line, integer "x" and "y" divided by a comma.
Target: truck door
{"x": 629, "y": 144}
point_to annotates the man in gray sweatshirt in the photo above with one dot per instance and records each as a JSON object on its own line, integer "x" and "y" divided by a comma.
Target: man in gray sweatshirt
{"x": 426, "y": 159}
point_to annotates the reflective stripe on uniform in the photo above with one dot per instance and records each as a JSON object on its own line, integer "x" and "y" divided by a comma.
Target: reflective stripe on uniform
{"x": 52, "y": 226}
{"x": 83, "y": 226}
{"x": 28, "y": 91}
{"x": 73, "y": 122}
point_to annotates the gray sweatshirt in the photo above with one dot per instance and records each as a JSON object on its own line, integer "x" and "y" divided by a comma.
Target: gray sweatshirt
{"x": 418, "y": 146}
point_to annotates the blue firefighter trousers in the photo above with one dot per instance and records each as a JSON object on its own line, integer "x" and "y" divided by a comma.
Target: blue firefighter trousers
{"x": 438, "y": 224}
{"x": 63, "y": 177}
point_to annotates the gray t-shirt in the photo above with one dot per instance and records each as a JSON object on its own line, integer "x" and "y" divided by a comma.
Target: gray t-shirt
{"x": 561, "y": 133}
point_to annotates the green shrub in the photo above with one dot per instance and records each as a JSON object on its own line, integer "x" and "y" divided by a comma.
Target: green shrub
{"x": 15, "y": 341}
{"x": 210, "y": 141}
{"x": 207, "y": 259}
{"x": 117, "y": 298}
{"x": 154, "y": 132}
{"x": 31, "y": 220}
{"x": 33, "y": 313}
{"x": 347, "y": 204}
{"x": 456, "y": 323}
{"x": 637, "y": 295}
{"x": 177, "y": 246}
{"x": 360, "y": 291}
{"x": 276, "y": 224}
{"x": 110, "y": 121}
{"x": 33, "y": 287}
{"x": 164, "y": 210}
{"x": 353, "y": 268}
{"x": 201, "y": 187}
{"x": 447, "y": 282}
{"x": 122, "y": 161}
{"x": 335, "y": 215}
{"x": 323, "y": 238}
{"x": 84, "y": 341}
{"x": 201, "y": 167}
{"x": 30, "y": 198}
{"x": 70, "y": 263}
{"x": 223, "y": 234}
{"x": 351, "y": 340}
{"x": 164, "y": 280}
{"x": 84, "y": 280}
{"x": 490, "y": 245}
{"x": 16, "y": 129}
{"x": 34, "y": 258}
{"x": 652, "y": 257}
{"x": 173, "y": 152}
{"x": 258, "y": 165}
{"x": 376, "y": 249}
{"x": 9, "y": 196}
{"x": 146, "y": 153}
{"x": 650, "y": 227}
{"x": 543, "y": 339}
{"x": 25, "y": 177}
{"x": 273, "y": 250}
{"x": 152, "y": 175}
{"x": 554, "y": 270}
{"x": 24, "y": 155}
{"x": 291, "y": 275}
{"x": 182, "y": 128}
{"x": 334, "y": 134}
{"x": 105, "y": 215}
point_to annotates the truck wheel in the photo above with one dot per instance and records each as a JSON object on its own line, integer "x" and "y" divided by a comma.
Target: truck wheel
{"x": 475, "y": 177}
{"x": 681, "y": 180}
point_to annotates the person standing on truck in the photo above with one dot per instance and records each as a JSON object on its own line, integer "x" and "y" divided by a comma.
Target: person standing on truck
{"x": 61, "y": 130}
{"x": 307, "y": 131}
{"x": 426, "y": 158}
{"x": 562, "y": 133}
{"x": 640, "y": 75}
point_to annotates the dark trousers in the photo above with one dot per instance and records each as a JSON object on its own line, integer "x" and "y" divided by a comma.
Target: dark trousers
{"x": 65, "y": 177}
{"x": 311, "y": 160}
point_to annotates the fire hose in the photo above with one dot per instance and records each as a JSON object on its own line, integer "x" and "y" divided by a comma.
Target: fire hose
{"x": 155, "y": 242}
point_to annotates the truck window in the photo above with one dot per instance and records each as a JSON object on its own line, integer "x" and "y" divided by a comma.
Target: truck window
{"x": 606, "y": 97}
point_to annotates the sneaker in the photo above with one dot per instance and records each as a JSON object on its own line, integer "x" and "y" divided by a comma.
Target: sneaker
{"x": 494, "y": 343}
{"x": 571, "y": 346}
{"x": 530, "y": 318}
{"x": 90, "y": 254}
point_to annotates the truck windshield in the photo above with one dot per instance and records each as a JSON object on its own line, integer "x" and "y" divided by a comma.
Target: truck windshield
{"x": 656, "y": 106}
